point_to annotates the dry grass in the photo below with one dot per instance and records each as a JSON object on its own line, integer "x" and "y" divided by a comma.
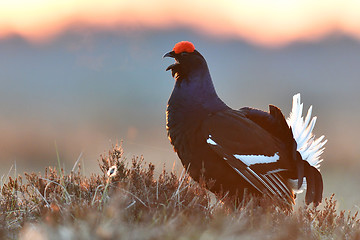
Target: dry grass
{"x": 126, "y": 201}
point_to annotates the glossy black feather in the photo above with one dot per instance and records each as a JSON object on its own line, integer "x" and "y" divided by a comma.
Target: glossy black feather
{"x": 235, "y": 134}
{"x": 239, "y": 149}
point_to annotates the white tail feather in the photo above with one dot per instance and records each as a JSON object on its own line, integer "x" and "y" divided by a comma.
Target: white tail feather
{"x": 294, "y": 185}
{"x": 309, "y": 147}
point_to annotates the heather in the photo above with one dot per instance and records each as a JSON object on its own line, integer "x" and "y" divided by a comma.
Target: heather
{"x": 134, "y": 199}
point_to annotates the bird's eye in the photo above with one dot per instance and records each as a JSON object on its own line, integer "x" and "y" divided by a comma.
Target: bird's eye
{"x": 183, "y": 54}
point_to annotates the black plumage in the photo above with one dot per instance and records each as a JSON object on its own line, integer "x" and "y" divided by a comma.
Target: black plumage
{"x": 239, "y": 149}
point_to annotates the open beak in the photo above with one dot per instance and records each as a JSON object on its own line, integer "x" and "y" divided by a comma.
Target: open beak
{"x": 170, "y": 54}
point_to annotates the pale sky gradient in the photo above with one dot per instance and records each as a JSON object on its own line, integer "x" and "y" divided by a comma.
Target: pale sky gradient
{"x": 264, "y": 22}
{"x": 85, "y": 74}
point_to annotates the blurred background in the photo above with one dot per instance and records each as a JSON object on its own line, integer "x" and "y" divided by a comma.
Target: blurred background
{"x": 78, "y": 76}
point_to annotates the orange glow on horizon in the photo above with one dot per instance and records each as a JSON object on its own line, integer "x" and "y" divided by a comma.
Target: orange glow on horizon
{"x": 263, "y": 22}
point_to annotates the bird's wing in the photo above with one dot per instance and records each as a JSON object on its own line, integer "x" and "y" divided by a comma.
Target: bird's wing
{"x": 273, "y": 122}
{"x": 250, "y": 150}
{"x": 295, "y": 134}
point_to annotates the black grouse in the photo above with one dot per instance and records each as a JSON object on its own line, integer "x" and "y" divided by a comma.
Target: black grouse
{"x": 240, "y": 149}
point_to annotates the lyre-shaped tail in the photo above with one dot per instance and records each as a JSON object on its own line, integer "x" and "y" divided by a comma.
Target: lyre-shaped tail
{"x": 309, "y": 147}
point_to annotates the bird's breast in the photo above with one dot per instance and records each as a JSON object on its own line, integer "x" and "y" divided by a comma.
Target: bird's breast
{"x": 184, "y": 128}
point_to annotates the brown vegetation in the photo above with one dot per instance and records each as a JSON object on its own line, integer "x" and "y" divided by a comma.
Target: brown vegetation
{"x": 127, "y": 201}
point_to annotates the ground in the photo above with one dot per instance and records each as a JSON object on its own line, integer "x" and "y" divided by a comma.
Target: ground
{"x": 127, "y": 200}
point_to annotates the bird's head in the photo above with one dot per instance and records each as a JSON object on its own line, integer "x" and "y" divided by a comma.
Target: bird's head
{"x": 187, "y": 60}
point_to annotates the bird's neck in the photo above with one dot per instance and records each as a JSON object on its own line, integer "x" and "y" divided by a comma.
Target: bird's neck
{"x": 191, "y": 101}
{"x": 196, "y": 92}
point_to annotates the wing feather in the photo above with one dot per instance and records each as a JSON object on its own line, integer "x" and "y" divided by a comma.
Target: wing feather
{"x": 247, "y": 148}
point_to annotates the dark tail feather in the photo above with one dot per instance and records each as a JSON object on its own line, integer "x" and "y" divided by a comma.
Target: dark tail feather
{"x": 314, "y": 184}
{"x": 300, "y": 169}
{"x": 283, "y": 131}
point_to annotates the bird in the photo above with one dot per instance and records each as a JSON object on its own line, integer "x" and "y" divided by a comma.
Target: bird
{"x": 243, "y": 151}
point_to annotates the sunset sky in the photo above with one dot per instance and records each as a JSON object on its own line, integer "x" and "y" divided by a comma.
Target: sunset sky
{"x": 85, "y": 74}
{"x": 78, "y": 48}
{"x": 262, "y": 22}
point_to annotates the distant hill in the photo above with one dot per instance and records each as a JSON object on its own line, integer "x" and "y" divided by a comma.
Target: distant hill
{"x": 89, "y": 86}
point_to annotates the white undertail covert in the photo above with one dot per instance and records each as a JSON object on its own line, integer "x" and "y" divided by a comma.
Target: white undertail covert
{"x": 309, "y": 147}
